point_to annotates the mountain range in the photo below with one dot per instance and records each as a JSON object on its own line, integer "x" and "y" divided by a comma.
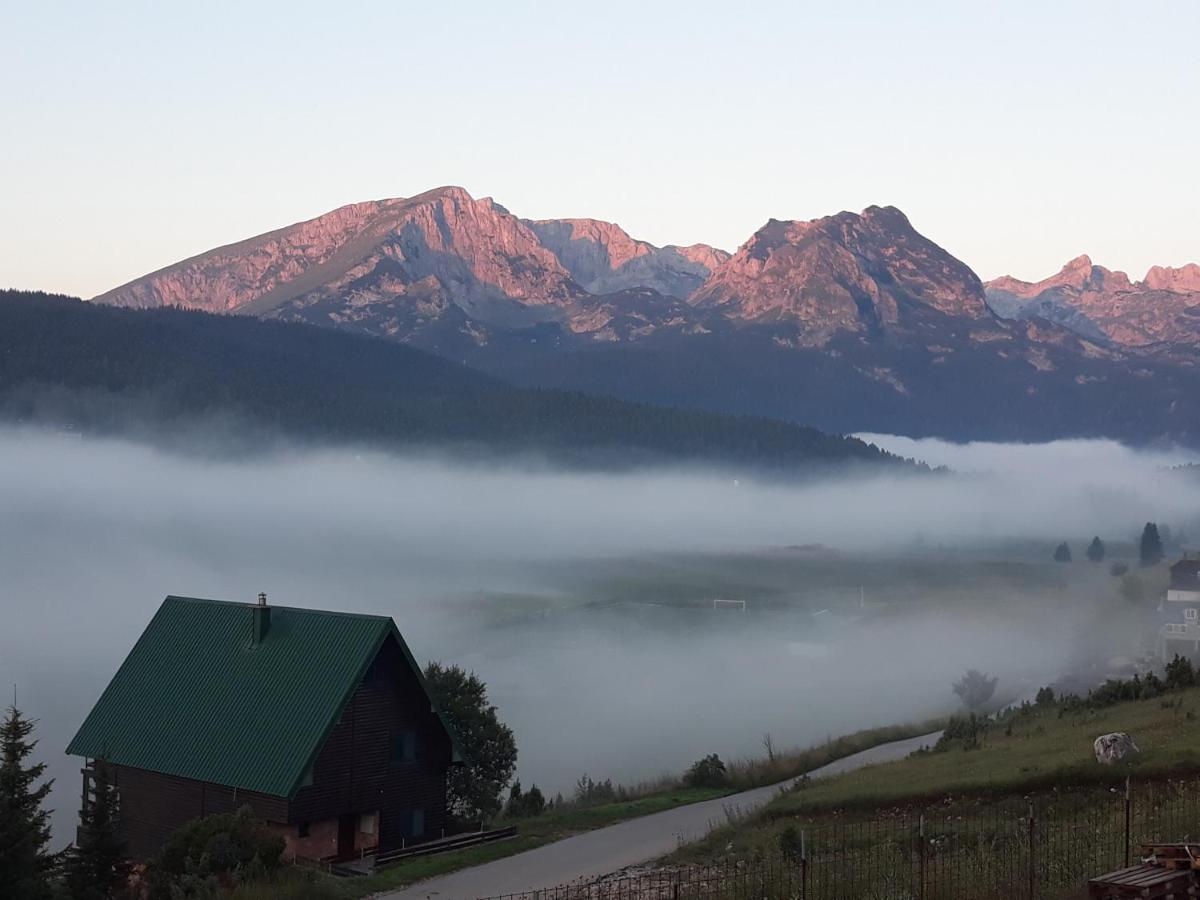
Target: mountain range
{"x": 854, "y": 321}
{"x": 1161, "y": 310}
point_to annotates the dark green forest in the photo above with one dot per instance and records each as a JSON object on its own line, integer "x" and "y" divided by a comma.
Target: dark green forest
{"x": 190, "y": 378}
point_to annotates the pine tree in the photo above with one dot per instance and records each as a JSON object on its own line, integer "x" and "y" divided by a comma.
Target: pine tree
{"x": 1152, "y": 547}
{"x": 1062, "y": 553}
{"x": 1095, "y": 550}
{"x": 96, "y": 867}
{"x": 24, "y": 825}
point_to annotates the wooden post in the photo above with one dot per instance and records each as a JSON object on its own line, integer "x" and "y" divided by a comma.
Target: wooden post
{"x": 1032, "y": 861}
{"x": 921, "y": 852}
{"x": 1127, "y": 821}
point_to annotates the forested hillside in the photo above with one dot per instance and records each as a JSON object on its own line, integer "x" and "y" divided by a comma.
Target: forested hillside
{"x": 191, "y": 376}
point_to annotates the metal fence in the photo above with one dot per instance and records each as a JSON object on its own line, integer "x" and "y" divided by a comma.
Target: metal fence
{"x": 1031, "y": 847}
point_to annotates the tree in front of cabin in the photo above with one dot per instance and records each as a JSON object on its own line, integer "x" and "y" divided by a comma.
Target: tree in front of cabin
{"x": 1151, "y": 549}
{"x": 474, "y": 789}
{"x": 1062, "y": 553}
{"x": 95, "y": 868}
{"x": 1095, "y": 550}
{"x": 212, "y": 853}
{"x": 25, "y": 864}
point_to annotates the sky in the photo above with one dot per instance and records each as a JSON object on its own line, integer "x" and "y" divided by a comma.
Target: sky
{"x": 1015, "y": 135}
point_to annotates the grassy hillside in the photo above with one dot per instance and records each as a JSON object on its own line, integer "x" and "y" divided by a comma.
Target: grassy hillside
{"x": 1045, "y": 748}
{"x": 96, "y": 368}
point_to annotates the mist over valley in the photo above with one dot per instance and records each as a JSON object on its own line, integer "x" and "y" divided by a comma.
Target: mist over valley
{"x": 585, "y": 599}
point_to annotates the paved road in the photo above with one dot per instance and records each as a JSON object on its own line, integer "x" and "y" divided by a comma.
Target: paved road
{"x": 605, "y": 850}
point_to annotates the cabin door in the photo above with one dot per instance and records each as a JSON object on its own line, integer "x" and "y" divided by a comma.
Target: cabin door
{"x": 347, "y": 828}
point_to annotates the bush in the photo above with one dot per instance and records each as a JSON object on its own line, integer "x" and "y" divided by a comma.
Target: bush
{"x": 588, "y": 791}
{"x": 213, "y": 852}
{"x": 791, "y": 844}
{"x": 965, "y": 732}
{"x": 524, "y": 805}
{"x": 1118, "y": 569}
{"x": 708, "y": 772}
{"x": 1180, "y": 674}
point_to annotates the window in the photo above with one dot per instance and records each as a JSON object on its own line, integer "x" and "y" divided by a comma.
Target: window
{"x": 366, "y": 823}
{"x": 404, "y": 747}
{"x": 416, "y": 823}
{"x": 1190, "y": 615}
{"x": 302, "y": 830}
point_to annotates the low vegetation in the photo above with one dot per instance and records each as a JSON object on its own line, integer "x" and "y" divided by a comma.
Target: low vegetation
{"x": 981, "y": 762}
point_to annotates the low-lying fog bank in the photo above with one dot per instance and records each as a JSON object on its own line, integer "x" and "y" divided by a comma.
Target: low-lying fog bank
{"x": 525, "y": 576}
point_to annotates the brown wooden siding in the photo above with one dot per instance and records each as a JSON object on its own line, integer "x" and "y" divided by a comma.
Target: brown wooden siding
{"x": 154, "y": 805}
{"x": 354, "y": 773}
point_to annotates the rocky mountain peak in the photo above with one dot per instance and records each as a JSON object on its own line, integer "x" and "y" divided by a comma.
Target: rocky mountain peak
{"x": 848, "y": 272}
{"x": 1185, "y": 279}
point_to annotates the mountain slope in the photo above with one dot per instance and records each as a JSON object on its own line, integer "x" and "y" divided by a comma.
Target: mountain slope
{"x": 93, "y": 367}
{"x": 850, "y": 321}
{"x": 848, "y": 272}
{"x": 1163, "y": 308}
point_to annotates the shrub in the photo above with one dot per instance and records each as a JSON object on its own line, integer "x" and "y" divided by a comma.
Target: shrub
{"x": 708, "y": 772}
{"x": 524, "y": 805}
{"x": 211, "y": 852}
{"x": 588, "y": 791}
{"x": 964, "y": 732}
{"x": 1118, "y": 569}
{"x": 791, "y": 844}
{"x": 1180, "y": 674}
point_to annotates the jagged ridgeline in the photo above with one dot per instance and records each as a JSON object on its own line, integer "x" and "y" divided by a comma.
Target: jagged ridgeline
{"x": 850, "y": 322}
{"x": 194, "y": 377}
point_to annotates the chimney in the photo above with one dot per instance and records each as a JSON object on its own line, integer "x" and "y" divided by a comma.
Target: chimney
{"x": 262, "y": 620}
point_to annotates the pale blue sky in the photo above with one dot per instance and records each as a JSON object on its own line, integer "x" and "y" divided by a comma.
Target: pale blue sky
{"x": 1017, "y": 135}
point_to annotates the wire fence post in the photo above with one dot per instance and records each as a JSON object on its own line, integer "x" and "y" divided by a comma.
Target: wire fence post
{"x": 921, "y": 857}
{"x": 1032, "y": 860}
{"x": 1127, "y": 821}
{"x": 803, "y": 866}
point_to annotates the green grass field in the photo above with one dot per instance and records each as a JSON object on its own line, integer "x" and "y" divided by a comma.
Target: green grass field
{"x": 1045, "y": 749}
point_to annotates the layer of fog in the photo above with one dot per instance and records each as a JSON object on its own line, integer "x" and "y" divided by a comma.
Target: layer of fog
{"x": 94, "y": 533}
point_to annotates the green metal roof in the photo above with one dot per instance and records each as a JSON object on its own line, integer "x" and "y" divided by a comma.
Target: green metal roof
{"x": 198, "y": 699}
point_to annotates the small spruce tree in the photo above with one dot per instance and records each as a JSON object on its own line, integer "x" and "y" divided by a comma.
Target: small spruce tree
{"x": 1095, "y": 550}
{"x": 96, "y": 867}
{"x": 1151, "y": 550}
{"x": 24, "y": 826}
{"x": 1062, "y": 553}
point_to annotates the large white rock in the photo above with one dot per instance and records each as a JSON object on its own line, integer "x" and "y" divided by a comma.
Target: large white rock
{"x": 1112, "y": 747}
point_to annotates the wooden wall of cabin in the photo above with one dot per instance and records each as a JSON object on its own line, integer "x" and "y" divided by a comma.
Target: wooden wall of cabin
{"x": 355, "y": 771}
{"x": 154, "y": 805}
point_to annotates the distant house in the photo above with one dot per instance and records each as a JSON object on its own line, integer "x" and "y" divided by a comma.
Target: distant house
{"x": 1180, "y": 632}
{"x": 320, "y": 721}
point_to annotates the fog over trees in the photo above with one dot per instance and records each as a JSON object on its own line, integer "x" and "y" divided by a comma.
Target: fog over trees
{"x": 584, "y": 601}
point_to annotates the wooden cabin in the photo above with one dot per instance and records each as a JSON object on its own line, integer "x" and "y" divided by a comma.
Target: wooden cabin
{"x": 320, "y": 721}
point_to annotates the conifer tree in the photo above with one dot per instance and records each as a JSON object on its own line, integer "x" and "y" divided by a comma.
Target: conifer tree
{"x": 96, "y": 867}
{"x": 24, "y": 826}
{"x": 1151, "y": 547}
{"x": 1062, "y": 553}
{"x": 1095, "y": 550}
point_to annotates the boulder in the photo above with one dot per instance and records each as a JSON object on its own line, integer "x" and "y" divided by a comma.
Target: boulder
{"x": 1113, "y": 747}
